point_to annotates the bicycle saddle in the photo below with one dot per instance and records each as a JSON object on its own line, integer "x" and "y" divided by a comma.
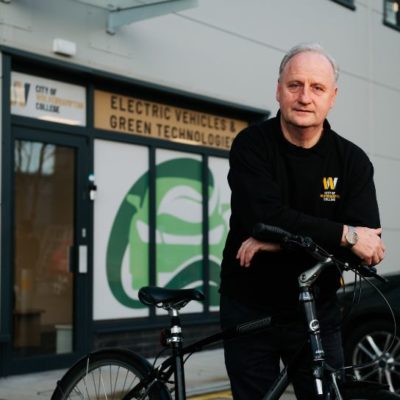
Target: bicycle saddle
{"x": 168, "y": 298}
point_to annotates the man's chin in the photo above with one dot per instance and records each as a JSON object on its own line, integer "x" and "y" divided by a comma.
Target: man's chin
{"x": 302, "y": 124}
{"x": 300, "y": 121}
{"x": 303, "y": 121}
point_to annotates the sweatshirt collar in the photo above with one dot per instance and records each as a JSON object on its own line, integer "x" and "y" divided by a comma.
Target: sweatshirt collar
{"x": 319, "y": 148}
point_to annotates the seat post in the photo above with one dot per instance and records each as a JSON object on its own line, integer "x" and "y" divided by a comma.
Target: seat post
{"x": 176, "y": 340}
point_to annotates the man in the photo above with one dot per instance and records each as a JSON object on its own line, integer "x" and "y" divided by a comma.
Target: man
{"x": 295, "y": 173}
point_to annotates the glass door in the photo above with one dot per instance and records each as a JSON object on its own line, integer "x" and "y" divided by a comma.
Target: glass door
{"x": 50, "y": 247}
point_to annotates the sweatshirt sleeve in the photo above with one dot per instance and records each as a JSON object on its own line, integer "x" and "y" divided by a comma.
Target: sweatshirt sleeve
{"x": 257, "y": 197}
{"x": 360, "y": 200}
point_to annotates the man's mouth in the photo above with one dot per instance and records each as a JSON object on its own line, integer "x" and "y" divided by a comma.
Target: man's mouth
{"x": 299, "y": 110}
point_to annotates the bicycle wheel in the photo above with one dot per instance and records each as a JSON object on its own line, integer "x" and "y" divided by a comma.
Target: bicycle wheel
{"x": 366, "y": 391}
{"x": 108, "y": 374}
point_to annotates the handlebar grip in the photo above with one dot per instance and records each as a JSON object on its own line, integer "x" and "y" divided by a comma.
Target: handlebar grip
{"x": 268, "y": 233}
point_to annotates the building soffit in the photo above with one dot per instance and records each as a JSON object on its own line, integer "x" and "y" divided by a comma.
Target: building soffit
{"x": 125, "y": 12}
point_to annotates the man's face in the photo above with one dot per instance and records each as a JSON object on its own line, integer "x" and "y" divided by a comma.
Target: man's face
{"x": 306, "y": 90}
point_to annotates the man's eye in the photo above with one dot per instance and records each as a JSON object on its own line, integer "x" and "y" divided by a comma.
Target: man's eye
{"x": 293, "y": 86}
{"x": 318, "y": 89}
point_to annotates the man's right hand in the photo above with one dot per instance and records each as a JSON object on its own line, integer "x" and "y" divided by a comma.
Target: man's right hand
{"x": 252, "y": 246}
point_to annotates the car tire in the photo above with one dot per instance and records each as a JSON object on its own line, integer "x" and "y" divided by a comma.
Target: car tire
{"x": 365, "y": 344}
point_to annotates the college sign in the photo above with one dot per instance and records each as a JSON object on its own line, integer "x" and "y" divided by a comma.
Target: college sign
{"x": 47, "y": 99}
{"x": 114, "y": 112}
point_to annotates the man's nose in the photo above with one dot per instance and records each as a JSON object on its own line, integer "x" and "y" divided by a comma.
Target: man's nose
{"x": 305, "y": 95}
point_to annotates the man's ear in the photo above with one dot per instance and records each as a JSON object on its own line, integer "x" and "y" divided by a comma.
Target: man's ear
{"x": 333, "y": 100}
{"x": 277, "y": 92}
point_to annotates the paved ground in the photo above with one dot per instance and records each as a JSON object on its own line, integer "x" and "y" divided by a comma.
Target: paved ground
{"x": 226, "y": 395}
{"x": 205, "y": 379}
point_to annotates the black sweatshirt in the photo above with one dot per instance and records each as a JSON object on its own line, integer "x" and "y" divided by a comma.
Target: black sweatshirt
{"x": 311, "y": 192}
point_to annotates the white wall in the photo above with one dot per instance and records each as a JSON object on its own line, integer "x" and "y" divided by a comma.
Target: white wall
{"x": 231, "y": 49}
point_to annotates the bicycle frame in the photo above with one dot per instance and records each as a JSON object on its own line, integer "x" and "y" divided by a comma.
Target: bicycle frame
{"x": 173, "y": 365}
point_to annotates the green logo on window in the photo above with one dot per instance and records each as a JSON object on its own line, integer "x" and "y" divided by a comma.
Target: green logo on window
{"x": 178, "y": 233}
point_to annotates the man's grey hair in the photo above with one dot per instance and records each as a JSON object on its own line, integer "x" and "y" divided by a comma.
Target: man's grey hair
{"x": 308, "y": 47}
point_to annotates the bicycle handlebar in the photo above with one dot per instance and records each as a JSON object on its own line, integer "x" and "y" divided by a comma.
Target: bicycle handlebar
{"x": 269, "y": 233}
{"x": 274, "y": 234}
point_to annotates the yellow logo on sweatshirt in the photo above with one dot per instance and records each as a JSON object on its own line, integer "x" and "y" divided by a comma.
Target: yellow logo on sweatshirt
{"x": 329, "y": 185}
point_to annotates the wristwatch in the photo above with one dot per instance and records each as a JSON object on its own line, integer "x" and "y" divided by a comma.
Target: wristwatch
{"x": 351, "y": 236}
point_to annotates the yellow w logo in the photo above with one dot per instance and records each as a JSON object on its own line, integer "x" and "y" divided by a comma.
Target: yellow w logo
{"x": 329, "y": 183}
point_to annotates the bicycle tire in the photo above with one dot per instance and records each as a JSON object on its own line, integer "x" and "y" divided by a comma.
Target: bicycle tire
{"x": 108, "y": 374}
{"x": 362, "y": 390}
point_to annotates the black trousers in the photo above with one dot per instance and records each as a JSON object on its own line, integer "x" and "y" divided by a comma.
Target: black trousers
{"x": 253, "y": 361}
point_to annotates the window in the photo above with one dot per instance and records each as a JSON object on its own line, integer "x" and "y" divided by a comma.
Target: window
{"x": 346, "y": 3}
{"x": 392, "y": 13}
{"x": 167, "y": 222}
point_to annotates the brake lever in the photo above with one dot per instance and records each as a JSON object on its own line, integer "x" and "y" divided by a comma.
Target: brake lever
{"x": 299, "y": 242}
{"x": 371, "y": 272}
{"x": 307, "y": 244}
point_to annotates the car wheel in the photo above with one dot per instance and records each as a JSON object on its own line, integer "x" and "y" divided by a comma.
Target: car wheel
{"x": 369, "y": 343}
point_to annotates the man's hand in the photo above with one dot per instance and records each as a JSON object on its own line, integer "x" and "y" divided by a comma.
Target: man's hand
{"x": 369, "y": 247}
{"x": 250, "y": 247}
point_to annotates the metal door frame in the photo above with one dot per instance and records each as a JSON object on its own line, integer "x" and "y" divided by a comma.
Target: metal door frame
{"x": 82, "y": 307}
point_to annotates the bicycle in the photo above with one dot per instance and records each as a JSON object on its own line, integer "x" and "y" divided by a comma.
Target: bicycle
{"x": 122, "y": 374}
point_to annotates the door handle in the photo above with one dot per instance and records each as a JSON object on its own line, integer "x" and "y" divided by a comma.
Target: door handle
{"x": 83, "y": 259}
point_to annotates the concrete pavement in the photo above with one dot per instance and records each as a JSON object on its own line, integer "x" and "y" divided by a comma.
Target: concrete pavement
{"x": 205, "y": 379}
{"x": 205, "y": 372}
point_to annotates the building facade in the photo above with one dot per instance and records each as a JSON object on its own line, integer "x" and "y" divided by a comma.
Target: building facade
{"x": 116, "y": 121}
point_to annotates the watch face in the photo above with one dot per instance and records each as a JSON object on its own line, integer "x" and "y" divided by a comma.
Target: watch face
{"x": 352, "y": 236}
{"x": 351, "y": 239}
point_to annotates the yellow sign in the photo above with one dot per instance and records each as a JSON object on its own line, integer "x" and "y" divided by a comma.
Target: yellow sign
{"x": 114, "y": 112}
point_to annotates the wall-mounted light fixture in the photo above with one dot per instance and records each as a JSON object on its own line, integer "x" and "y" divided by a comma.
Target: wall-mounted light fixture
{"x": 64, "y": 47}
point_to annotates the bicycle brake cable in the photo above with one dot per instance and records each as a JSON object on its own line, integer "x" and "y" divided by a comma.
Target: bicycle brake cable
{"x": 158, "y": 356}
{"x": 358, "y": 289}
{"x": 391, "y": 312}
{"x": 355, "y": 298}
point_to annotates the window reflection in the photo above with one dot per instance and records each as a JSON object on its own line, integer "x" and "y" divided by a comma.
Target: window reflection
{"x": 392, "y": 12}
{"x": 34, "y": 158}
{"x": 44, "y": 215}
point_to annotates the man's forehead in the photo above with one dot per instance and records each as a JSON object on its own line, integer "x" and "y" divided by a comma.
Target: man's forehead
{"x": 309, "y": 62}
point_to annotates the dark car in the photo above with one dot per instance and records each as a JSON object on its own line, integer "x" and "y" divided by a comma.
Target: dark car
{"x": 368, "y": 330}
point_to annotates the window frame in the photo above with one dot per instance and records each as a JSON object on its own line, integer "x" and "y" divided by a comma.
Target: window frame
{"x": 385, "y": 17}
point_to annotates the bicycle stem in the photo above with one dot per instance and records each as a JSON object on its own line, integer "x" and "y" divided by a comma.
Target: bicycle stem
{"x": 308, "y": 277}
